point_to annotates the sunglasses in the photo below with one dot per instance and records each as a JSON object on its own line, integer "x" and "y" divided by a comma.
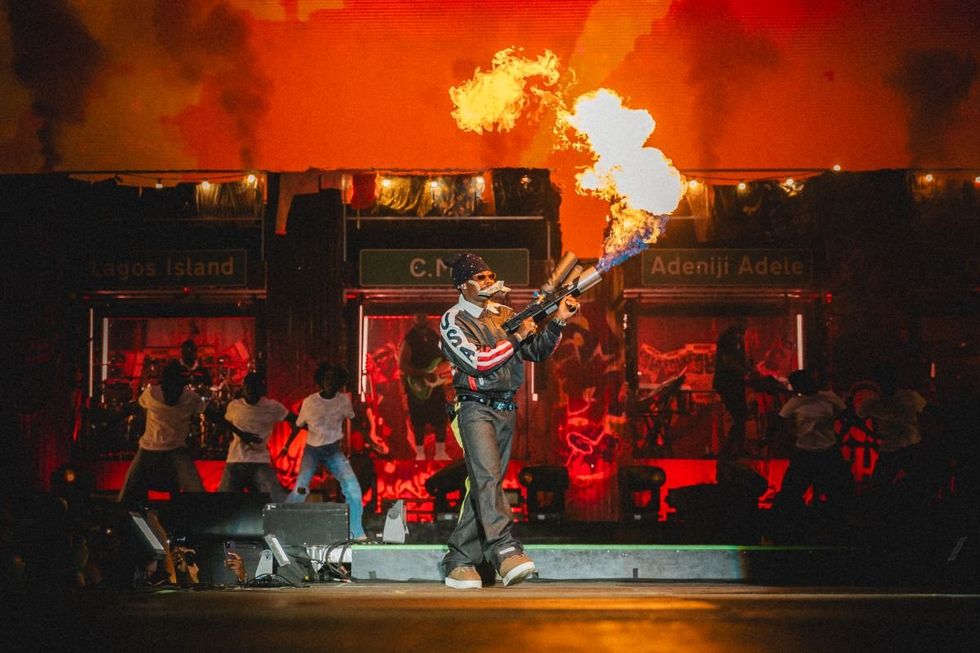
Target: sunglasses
{"x": 485, "y": 276}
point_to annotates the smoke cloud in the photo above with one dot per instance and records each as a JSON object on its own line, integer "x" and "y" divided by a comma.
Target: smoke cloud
{"x": 934, "y": 84}
{"x": 724, "y": 62}
{"x": 58, "y": 61}
{"x": 209, "y": 41}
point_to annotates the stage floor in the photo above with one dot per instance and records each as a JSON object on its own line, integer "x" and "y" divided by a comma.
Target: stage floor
{"x": 535, "y": 616}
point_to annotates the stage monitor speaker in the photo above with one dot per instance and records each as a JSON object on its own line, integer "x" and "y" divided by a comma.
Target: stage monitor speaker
{"x": 307, "y": 524}
{"x": 215, "y": 515}
{"x": 396, "y": 524}
{"x": 740, "y": 480}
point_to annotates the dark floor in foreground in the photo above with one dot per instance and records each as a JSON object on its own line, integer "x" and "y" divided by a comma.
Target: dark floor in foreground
{"x": 535, "y": 616}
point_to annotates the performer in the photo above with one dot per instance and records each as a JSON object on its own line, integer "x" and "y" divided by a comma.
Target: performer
{"x": 731, "y": 368}
{"x": 895, "y": 415}
{"x": 418, "y": 360}
{"x": 252, "y": 418}
{"x": 162, "y": 452}
{"x": 195, "y": 375}
{"x": 489, "y": 369}
{"x": 323, "y": 414}
{"x": 816, "y": 458}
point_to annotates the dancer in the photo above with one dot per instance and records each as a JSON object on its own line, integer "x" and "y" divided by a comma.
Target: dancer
{"x": 252, "y": 418}
{"x": 323, "y": 414}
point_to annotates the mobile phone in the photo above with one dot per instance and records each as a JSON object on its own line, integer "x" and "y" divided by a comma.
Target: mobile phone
{"x": 229, "y": 547}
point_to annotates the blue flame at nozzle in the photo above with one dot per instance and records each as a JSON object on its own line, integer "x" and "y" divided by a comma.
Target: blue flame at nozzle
{"x": 637, "y": 244}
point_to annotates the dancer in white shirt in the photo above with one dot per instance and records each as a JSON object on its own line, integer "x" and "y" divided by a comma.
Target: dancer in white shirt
{"x": 163, "y": 459}
{"x": 252, "y": 418}
{"x": 323, "y": 414}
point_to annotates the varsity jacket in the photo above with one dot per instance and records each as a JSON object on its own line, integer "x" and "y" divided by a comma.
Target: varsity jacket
{"x": 484, "y": 357}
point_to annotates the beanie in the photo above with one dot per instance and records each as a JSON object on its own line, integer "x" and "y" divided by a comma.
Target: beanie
{"x": 464, "y": 266}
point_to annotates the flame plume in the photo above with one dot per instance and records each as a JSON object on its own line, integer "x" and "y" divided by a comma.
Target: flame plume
{"x": 496, "y": 98}
{"x": 639, "y": 182}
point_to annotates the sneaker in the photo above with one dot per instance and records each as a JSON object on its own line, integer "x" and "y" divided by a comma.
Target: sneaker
{"x": 464, "y": 578}
{"x": 516, "y": 569}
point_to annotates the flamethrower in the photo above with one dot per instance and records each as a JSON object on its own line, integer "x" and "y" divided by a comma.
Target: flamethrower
{"x": 567, "y": 280}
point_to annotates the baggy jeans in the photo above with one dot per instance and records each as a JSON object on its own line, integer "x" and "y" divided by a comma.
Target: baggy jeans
{"x": 483, "y": 531}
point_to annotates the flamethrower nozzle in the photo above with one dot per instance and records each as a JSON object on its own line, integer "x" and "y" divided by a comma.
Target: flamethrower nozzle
{"x": 559, "y": 274}
{"x": 586, "y": 279}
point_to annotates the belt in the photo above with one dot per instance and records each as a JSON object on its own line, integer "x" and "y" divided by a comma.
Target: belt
{"x": 496, "y": 404}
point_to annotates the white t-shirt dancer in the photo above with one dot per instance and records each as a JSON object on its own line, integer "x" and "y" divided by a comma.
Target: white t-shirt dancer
{"x": 167, "y": 426}
{"x": 813, "y": 419}
{"x": 258, "y": 419}
{"x": 324, "y": 418}
{"x": 896, "y": 419}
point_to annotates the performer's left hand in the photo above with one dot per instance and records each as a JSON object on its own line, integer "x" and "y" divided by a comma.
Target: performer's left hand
{"x": 567, "y": 309}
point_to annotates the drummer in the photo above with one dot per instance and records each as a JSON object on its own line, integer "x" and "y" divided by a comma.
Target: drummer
{"x": 196, "y": 375}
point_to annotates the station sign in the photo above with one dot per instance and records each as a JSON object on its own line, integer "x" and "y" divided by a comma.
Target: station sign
{"x": 168, "y": 269}
{"x": 727, "y": 267}
{"x": 426, "y": 267}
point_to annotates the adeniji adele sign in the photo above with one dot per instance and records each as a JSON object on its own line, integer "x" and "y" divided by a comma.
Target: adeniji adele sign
{"x": 726, "y": 267}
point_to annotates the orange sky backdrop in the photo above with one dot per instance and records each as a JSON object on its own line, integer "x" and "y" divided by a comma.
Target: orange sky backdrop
{"x": 293, "y": 84}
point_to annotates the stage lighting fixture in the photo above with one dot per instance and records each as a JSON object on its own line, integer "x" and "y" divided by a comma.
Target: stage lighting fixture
{"x": 546, "y": 485}
{"x": 288, "y": 567}
{"x": 449, "y": 479}
{"x": 149, "y": 544}
{"x": 396, "y": 525}
{"x": 635, "y": 482}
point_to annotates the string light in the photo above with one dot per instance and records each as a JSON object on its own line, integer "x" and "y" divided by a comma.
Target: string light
{"x": 205, "y": 185}
{"x": 386, "y": 183}
{"x": 159, "y": 184}
{"x": 693, "y": 184}
{"x": 837, "y": 167}
{"x": 742, "y": 186}
{"x": 251, "y": 179}
{"x": 928, "y": 178}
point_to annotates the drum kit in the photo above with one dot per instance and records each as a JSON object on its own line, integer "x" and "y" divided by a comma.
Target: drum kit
{"x": 116, "y": 420}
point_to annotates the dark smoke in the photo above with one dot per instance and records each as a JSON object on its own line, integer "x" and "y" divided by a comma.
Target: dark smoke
{"x": 209, "y": 42}
{"x": 934, "y": 84}
{"x": 57, "y": 59}
{"x": 724, "y": 61}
